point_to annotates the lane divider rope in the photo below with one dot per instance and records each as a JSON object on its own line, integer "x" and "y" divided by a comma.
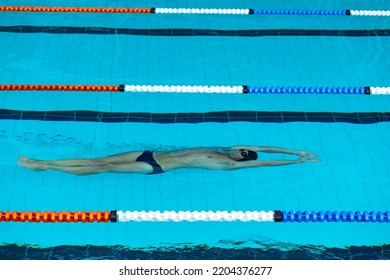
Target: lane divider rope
{"x": 194, "y": 11}
{"x": 199, "y": 89}
{"x": 103, "y": 88}
{"x": 195, "y": 216}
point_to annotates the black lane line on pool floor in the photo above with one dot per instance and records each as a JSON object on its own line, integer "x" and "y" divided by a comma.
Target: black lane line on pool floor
{"x": 192, "y": 32}
{"x": 219, "y": 117}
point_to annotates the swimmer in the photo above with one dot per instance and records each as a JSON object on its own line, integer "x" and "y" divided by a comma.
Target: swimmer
{"x": 148, "y": 162}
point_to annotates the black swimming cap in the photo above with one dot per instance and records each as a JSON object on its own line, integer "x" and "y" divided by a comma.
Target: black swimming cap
{"x": 251, "y": 155}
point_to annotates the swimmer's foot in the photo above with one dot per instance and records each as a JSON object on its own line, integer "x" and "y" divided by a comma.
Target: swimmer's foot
{"x": 33, "y": 164}
{"x": 307, "y": 154}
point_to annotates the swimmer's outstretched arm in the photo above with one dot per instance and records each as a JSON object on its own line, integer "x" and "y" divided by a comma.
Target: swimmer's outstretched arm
{"x": 264, "y": 163}
{"x": 266, "y": 149}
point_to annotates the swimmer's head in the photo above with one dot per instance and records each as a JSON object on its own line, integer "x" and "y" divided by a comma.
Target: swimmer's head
{"x": 246, "y": 155}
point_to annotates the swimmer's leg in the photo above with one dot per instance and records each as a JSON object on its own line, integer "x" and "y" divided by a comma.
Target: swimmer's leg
{"x": 120, "y": 158}
{"x": 40, "y": 165}
{"x": 84, "y": 166}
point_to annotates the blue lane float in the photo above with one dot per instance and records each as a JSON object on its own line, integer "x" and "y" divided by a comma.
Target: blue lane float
{"x": 334, "y": 216}
{"x": 302, "y": 12}
{"x": 307, "y": 90}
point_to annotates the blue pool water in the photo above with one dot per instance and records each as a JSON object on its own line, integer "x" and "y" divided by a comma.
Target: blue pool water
{"x": 353, "y": 173}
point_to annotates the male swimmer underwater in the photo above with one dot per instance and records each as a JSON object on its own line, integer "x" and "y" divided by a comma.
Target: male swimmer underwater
{"x": 147, "y": 162}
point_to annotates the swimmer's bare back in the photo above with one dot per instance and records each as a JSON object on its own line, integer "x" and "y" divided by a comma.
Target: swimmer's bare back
{"x": 194, "y": 158}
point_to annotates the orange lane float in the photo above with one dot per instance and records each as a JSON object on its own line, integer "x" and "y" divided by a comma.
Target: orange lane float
{"x": 74, "y": 9}
{"x": 101, "y": 88}
{"x": 51, "y": 216}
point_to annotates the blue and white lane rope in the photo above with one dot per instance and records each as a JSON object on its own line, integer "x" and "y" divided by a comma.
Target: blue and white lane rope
{"x": 270, "y": 12}
{"x": 205, "y": 11}
{"x": 255, "y": 89}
